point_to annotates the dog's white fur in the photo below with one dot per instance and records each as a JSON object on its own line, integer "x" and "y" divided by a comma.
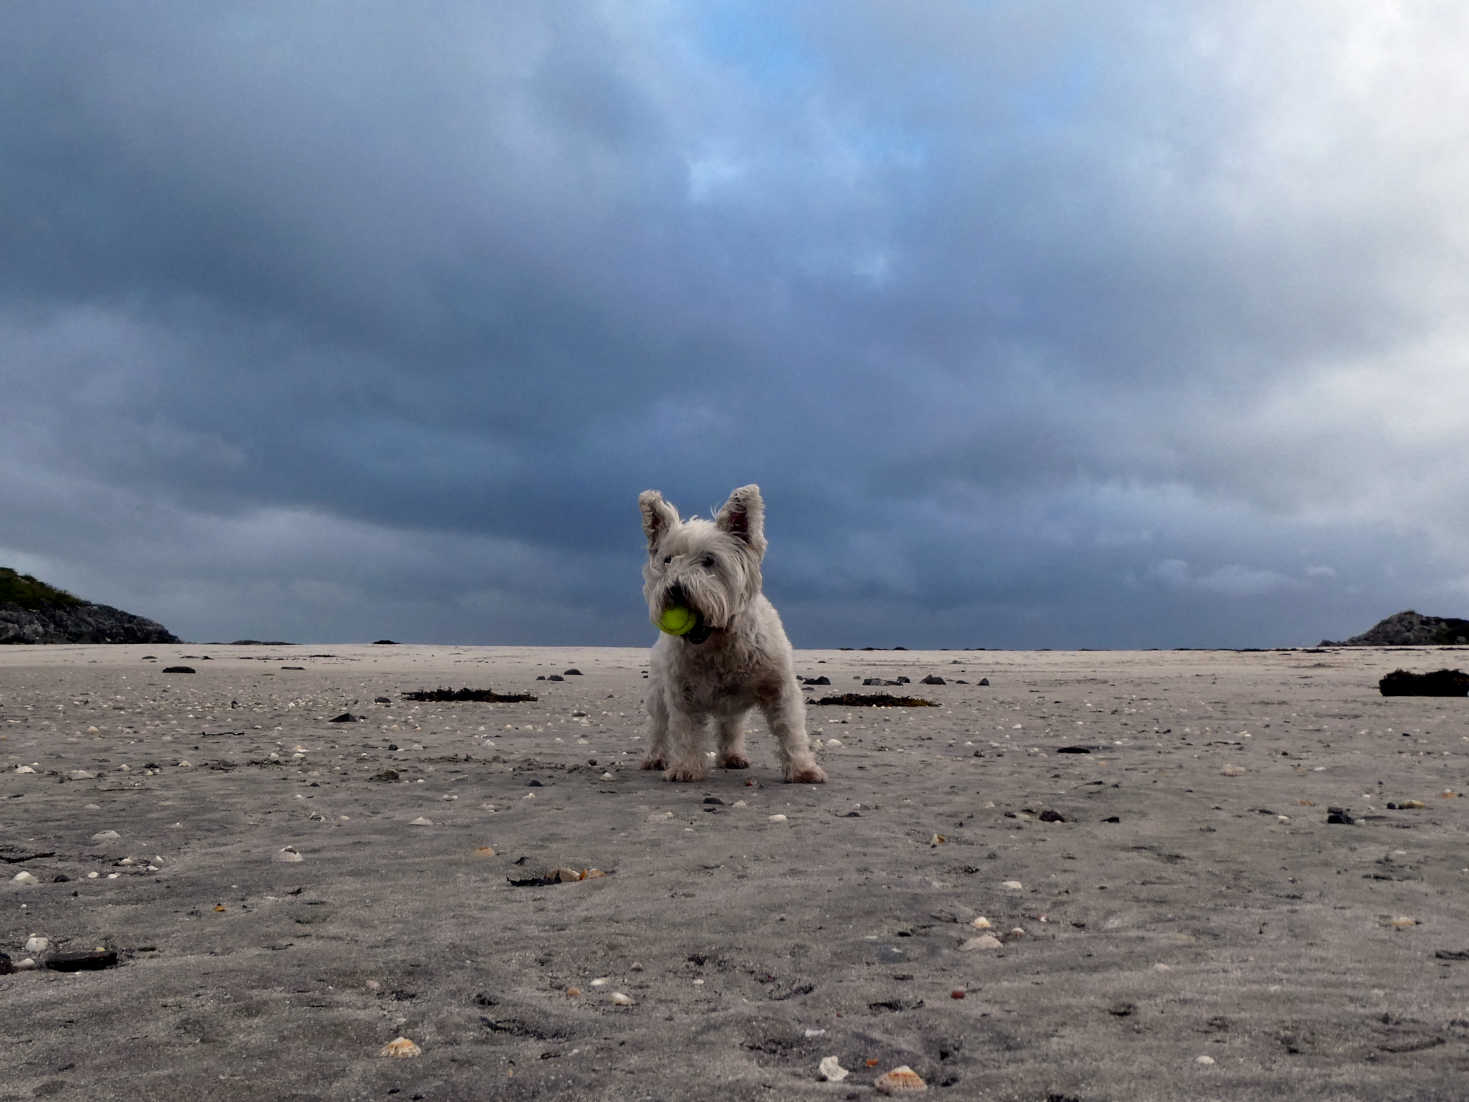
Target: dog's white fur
{"x": 741, "y": 659}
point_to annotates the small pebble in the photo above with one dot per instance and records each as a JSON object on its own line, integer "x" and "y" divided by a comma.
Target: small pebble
{"x": 983, "y": 941}
{"x": 289, "y": 854}
{"x": 37, "y": 944}
{"x": 981, "y": 923}
{"x": 24, "y": 877}
{"x": 777, "y": 818}
{"x": 619, "y": 999}
{"x": 400, "y": 1047}
{"x": 105, "y": 836}
{"x": 1233, "y": 770}
{"x": 831, "y": 1070}
{"x": 1013, "y": 886}
{"x": 421, "y": 821}
{"x": 1206, "y": 1061}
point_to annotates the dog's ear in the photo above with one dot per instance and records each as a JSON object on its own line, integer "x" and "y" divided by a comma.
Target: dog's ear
{"x": 743, "y": 517}
{"x": 658, "y": 516}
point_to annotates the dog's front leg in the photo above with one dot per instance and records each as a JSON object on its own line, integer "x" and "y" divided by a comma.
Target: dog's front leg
{"x": 786, "y": 715}
{"x": 686, "y": 760}
{"x": 732, "y": 743}
{"x": 657, "y": 756}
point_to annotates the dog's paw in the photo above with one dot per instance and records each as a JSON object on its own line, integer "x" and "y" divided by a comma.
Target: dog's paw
{"x": 806, "y": 771}
{"x": 734, "y": 761}
{"x": 654, "y": 761}
{"x": 686, "y": 771}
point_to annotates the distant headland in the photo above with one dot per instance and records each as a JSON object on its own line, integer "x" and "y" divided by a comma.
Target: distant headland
{"x": 1410, "y": 629}
{"x": 33, "y": 612}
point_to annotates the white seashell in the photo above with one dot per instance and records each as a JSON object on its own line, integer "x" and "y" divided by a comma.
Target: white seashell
{"x": 1013, "y": 886}
{"x": 24, "y": 877}
{"x": 1403, "y": 922}
{"x": 831, "y": 1070}
{"x": 1204, "y": 1060}
{"x": 1233, "y": 770}
{"x": 401, "y": 1047}
{"x": 105, "y": 836}
{"x": 834, "y": 742}
{"x": 601, "y": 981}
{"x": 778, "y": 819}
{"x": 37, "y": 944}
{"x": 80, "y": 775}
{"x": 422, "y": 821}
{"x": 901, "y": 1080}
{"x": 289, "y": 854}
{"x": 619, "y": 999}
{"x": 981, "y": 923}
{"x": 25, "y": 964}
{"x": 24, "y": 769}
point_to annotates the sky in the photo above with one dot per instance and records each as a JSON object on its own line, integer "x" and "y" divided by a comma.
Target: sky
{"x": 1121, "y": 324}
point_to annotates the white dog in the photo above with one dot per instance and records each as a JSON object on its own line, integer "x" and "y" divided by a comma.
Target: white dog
{"x": 734, "y": 657}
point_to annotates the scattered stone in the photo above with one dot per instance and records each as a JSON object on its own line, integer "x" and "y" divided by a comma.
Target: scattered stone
{"x": 619, "y": 999}
{"x": 1047, "y": 815}
{"x": 901, "y": 1080}
{"x": 777, "y": 818}
{"x": 37, "y": 944}
{"x": 82, "y": 960}
{"x": 1233, "y": 771}
{"x": 831, "y": 1070}
{"x": 179, "y": 669}
{"x": 106, "y": 836}
{"x": 1013, "y": 886}
{"x": 1437, "y": 683}
{"x": 386, "y": 776}
{"x": 1340, "y": 815}
{"x": 933, "y": 679}
{"x": 345, "y": 717}
{"x": 289, "y": 854}
{"x": 400, "y": 1047}
{"x": 821, "y": 680}
{"x": 983, "y": 941}
{"x": 573, "y": 672}
{"x": 421, "y": 821}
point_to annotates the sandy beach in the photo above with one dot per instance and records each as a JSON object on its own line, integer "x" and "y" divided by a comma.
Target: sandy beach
{"x": 1100, "y": 876}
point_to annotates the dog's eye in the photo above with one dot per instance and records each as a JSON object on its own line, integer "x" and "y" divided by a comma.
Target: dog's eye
{"x": 667, "y": 559}
{"x": 708, "y": 562}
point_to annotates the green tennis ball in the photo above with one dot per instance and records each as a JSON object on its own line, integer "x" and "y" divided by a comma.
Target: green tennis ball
{"x": 677, "y": 621}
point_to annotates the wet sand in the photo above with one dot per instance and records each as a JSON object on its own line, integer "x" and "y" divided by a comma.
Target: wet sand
{"x": 1170, "y": 913}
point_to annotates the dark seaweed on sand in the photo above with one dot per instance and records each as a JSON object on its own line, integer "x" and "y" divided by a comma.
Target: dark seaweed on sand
{"x": 479, "y": 696}
{"x": 876, "y": 700}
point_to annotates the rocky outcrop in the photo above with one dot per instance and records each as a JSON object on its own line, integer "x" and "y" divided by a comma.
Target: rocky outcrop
{"x": 1410, "y": 629}
{"x": 34, "y": 612}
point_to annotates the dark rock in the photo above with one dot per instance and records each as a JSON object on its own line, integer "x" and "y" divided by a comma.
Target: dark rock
{"x": 1340, "y": 815}
{"x": 387, "y": 776}
{"x": 573, "y": 672}
{"x": 1410, "y": 629}
{"x": 984, "y": 681}
{"x": 179, "y": 669}
{"x": 822, "y": 680}
{"x": 1049, "y": 816}
{"x": 933, "y": 679}
{"x": 82, "y": 960}
{"x": 345, "y": 717}
{"x": 873, "y": 681}
{"x": 384, "y": 643}
{"x": 1437, "y": 683}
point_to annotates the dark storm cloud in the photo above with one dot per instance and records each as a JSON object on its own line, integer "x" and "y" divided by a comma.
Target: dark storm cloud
{"x": 1037, "y": 326}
